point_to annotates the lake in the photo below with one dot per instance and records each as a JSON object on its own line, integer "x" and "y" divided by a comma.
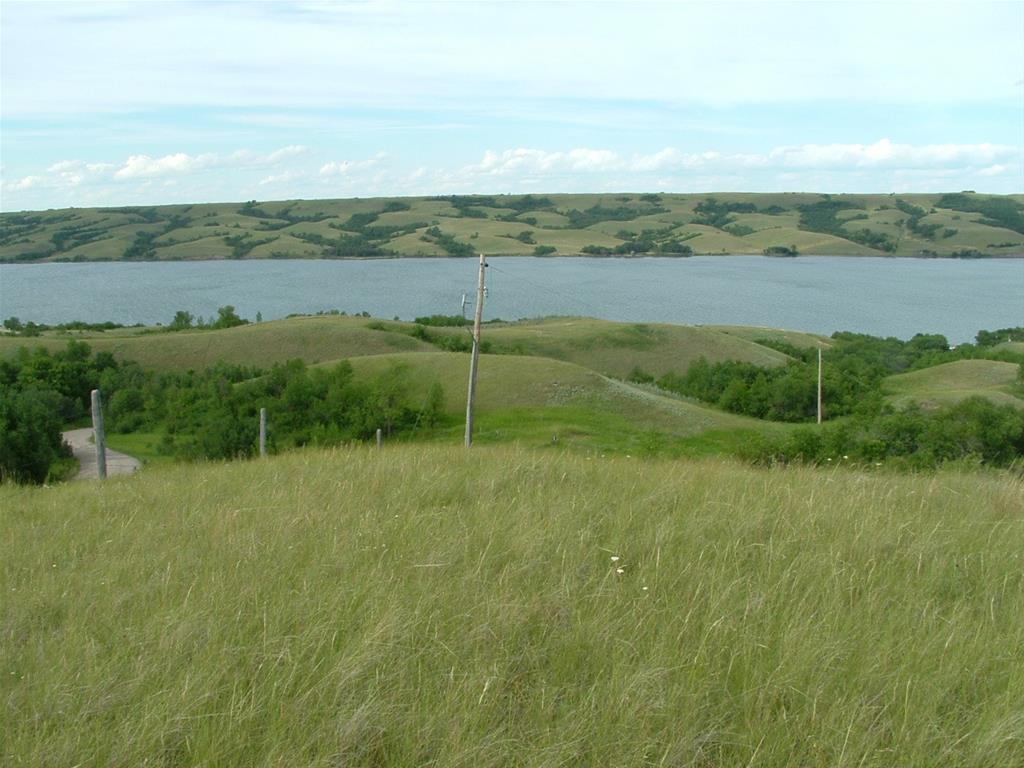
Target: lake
{"x": 880, "y": 296}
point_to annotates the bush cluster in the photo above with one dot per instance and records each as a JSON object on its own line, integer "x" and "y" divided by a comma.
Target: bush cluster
{"x": 974, "y": 429}
{"x": 208, "y": 414}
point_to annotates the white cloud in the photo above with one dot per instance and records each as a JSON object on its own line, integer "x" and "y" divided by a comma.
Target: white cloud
{"x": 993, "y": 170}
{"x": 75, "y": 182}
{"x": 593, "y": 160}
{"x": 294, "y": 171}
{"x": 527, "y": 160}
{"x": 280, "y": 178}
{"x": 886, "y": 153}
{"x": 659, "y": 160}
{"x": 25, "y": 183}
{"x": 870, "y": 166}
{"x": 292, "y": 150}
{"x": 144, "y": 166}
{"x": 524, "y": 160}
{"x": 65, "y": 165}
{"x": 346, "y": 167}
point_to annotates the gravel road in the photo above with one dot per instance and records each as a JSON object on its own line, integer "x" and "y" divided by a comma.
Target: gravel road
{"x": 81, "y": 444}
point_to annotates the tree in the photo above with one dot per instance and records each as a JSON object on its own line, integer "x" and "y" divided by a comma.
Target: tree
{"x": 227, "y": 318}
{"x": 182, "y": 321}
{"x": 30, "y": 436}
{"x": 433, "y": 412}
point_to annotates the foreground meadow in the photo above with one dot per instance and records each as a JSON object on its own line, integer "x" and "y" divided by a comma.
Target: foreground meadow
{"x": 433, "y": 606}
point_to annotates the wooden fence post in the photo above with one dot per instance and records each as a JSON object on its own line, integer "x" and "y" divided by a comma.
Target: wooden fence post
{"x": 380, "y": 437}
{"x": 99, "y": 436}
{"x": 263, "y": 431}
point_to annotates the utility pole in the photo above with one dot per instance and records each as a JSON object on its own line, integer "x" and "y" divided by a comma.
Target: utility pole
{"x": 99, "y": 436}
{"x": 819, "y": 385}
{"x": 473, "y": 360}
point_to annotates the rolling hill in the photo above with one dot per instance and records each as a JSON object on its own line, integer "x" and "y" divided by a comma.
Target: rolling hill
{"x": 605, "y": 346}
{"x": 963, "y": 224}
{"x": 951, "y": 382}
{"x": 540, "y": 401}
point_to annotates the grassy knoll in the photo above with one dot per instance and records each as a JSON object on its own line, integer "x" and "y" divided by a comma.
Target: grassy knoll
{"x": 607, "y": 347}
{"x": 616, "y": 349}
{"x": 435, "y": 606}
{"x": 312, "y": 339}
{"x": 538, "y": 401}
{"x": 952, "y": 382}
{"x": 799, "y": 339}
{"x": 853, "y": 225}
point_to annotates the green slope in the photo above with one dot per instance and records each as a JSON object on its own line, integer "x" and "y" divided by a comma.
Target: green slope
{"x": 799, "y": 339}
{"x": 607, "y": 347}
{"x": 951, "y": 382}
{"x": 616, "y": 349}
{"x": 312, "y": 339}
{"x": 510, "y": 382}
{"x": 904, "y": 225}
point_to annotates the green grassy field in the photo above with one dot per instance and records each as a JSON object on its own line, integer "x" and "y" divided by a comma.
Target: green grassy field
{"x": 312, "y": 339}
{"x": 605, "y": 346}
{"x": 536, "y": 401}
{"x": 799, "y": 339}
{"x": 552, "y": 384}
{"x": 616, "y": 349}
{"x": 495, "y": 607}
{"x": 491, "y": 225}
{"x": 951, "y": 382}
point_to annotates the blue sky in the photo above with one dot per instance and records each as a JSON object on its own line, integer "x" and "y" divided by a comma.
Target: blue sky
{"x": 161, "y": 102}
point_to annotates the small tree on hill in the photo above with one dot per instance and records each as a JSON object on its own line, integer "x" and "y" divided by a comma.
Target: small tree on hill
{"x": 228, "y": 318}
{"x": 182, "y": 321}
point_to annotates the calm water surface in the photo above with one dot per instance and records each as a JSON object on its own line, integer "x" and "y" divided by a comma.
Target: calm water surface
{"x": 889, "y": 297}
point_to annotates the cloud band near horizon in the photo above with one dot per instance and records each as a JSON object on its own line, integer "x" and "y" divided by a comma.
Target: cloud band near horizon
{"x": 300, "y": 171}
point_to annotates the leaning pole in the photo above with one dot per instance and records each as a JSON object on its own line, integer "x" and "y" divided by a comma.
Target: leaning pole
{"x": 475, "y": 357}
{"x": 99, "y": 437}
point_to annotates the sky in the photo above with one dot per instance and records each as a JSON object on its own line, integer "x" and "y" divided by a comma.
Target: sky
{"x": 145, "y": 103}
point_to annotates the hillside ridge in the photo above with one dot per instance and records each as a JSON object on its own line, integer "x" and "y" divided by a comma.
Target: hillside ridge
{"x": 959, "y": 225}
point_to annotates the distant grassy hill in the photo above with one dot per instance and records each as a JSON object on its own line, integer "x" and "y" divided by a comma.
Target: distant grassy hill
{"x": 436, "y": 606}
{"x": 951, "y": 382}
{"x": 967, "y": 225}
{"x": 607, "y": 347}
{"x": 616, "y": 349}
{"x": 312, "y": 339}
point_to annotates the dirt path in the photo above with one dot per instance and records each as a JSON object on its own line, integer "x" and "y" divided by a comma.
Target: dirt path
{"x": 81, "y": 444}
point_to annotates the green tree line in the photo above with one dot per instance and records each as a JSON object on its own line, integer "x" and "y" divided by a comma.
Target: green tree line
{"x": 207, "y": 414}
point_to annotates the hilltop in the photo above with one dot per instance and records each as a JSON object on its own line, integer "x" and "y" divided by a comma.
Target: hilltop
{"x": 964, "y": 225}
{"x": 607, "y": 347}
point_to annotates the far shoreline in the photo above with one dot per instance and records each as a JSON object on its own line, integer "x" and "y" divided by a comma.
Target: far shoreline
{"x": 595, "y": 257}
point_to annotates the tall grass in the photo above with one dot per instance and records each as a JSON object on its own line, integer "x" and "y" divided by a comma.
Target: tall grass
{"x": 428, "y": 606}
